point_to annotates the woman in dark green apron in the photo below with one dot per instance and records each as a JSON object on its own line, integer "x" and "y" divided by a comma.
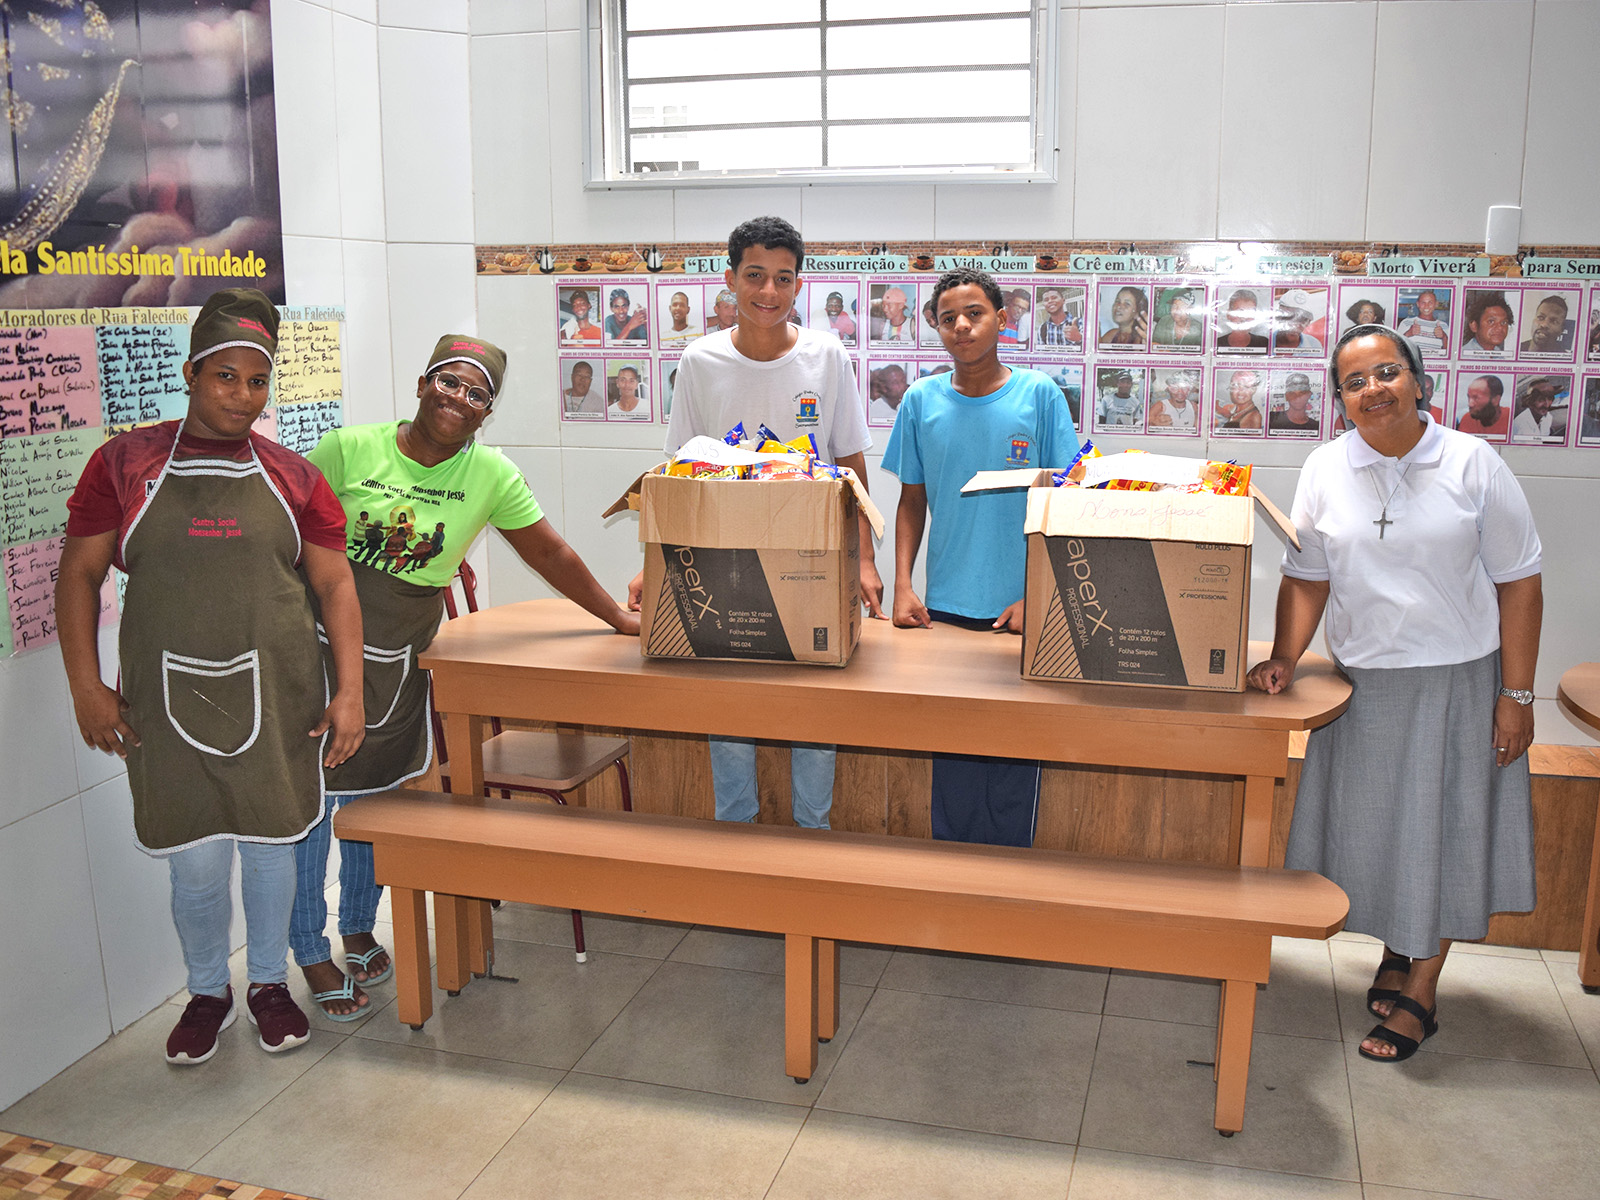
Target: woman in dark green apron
{"x": 223, "y": 710}
{"x": 433, "y": 488}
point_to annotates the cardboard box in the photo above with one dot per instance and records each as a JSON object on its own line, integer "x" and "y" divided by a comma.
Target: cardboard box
{"x": 747, "y": 570}
{"x": 1143, "y": 588}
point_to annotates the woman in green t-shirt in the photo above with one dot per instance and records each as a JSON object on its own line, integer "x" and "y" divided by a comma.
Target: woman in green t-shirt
{"x": 433, "y": 488}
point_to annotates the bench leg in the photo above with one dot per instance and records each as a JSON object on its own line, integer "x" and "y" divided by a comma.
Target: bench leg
{"x": 1235, "y": 1027}
{"x": 450, "y": 930}
{"x": 1588, "y": 951}
{"x": 799, "y": 1007}
{"x": 827, "y": 989}
{"x": 409, "y": 909}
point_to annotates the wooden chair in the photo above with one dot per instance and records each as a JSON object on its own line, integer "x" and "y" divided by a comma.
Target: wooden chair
{"x": 545, "y": 762}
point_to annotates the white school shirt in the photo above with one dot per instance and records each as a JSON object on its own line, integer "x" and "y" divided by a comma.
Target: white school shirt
{"x": 1424, "y": 594}
{"x": 811, "y": 390}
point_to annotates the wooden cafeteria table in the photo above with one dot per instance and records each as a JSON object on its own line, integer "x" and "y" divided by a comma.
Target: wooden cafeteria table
{"x": 1579, "y": 694}
{"x": 939, "y": 689}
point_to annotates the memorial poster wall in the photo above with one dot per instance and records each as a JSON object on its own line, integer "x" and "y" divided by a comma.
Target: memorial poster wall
{"x": 1136, "y": 351}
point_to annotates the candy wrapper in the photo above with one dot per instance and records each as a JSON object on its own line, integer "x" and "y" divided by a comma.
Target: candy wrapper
{"x": 735, "y": 435}
{"x": 1072, "y": 473}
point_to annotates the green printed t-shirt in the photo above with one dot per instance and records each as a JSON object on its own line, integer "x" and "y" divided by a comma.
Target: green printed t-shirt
{"x": 413, "y": 521}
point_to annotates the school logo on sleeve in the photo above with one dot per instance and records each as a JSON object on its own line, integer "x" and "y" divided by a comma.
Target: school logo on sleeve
{"x": 807, "y": 409}
{"x": 1021, "y": 446}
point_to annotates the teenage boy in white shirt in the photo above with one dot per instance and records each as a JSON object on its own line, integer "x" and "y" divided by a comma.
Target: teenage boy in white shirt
{"x": 794, "y": 380}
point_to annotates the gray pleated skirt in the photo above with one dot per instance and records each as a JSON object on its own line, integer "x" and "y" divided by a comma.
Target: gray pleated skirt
{"x": 1401, "y": 804}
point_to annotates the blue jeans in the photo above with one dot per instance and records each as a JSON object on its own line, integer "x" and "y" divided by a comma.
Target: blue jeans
{"x": 359, "y": 891}
{"x": 202, "y": 909}
{"x": 733, "y": 778}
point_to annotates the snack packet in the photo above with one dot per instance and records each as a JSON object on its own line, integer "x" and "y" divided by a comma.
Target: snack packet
{"x": 804, "y": 444}
{"x": 735, "y": 435}
{"x": 780, "y": 469}
{"x": 1225, "y": 479}
{"x": 696, "y": 469}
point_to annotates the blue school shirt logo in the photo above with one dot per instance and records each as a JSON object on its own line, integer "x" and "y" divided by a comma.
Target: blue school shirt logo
{"x": 805, "y": 409}
{"x": 1019, "y": 451}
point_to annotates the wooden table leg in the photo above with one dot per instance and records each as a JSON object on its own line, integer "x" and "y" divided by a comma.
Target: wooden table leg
{"x": 409, "y": 910}
{"x": 1588, "y": 952}
{"x": 1233, "y": 1053}
{"x": 472, "y": 950}
{"x": 480, "y": 934}
{"x": 1255, "y": 832}
{"x": 827, "y": 989}
{"x": 1236, "y": 821}
{"x": 799, "y": 1007}
{"x": 451, "y": 932}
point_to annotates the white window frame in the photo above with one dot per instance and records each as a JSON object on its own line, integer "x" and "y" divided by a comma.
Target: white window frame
{"x": 605, "y": 128}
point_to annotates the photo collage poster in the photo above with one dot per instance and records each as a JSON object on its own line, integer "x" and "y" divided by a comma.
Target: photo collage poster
{"x": 71, "y": 379}
{"x": 1513, "y": 361}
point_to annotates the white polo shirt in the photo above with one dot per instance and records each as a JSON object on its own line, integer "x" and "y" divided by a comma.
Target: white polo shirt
{"x": 1423, "y": 594}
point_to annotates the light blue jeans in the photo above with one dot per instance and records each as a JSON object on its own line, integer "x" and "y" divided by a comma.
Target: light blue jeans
{"x": 359, "y": 891}
{"x": 202, "y": 909}
{"x": 733, "y": 778}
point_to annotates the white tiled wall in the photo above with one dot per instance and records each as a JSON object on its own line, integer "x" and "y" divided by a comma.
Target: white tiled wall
{"x": 511, "y": 167}
{"x": 1444, "y": 148}
{"x": 54, "y": 992}
{"x": 1147, "y": 162}
{"x": 307, "y": 155}
{"x": 411, "y": 129}
{"x": 1561, "y": 166}
{"x": 358, "y": 126}
{"x": 427, "y": 138}
{"x": 1295, "y": 120}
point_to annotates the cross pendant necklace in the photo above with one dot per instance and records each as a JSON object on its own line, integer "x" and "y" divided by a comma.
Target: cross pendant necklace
{"x": 1383, "y": 522}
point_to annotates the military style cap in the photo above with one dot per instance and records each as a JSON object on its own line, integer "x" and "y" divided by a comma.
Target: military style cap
{"x": 461, "y": 347}
{"x": 235, "y": 317}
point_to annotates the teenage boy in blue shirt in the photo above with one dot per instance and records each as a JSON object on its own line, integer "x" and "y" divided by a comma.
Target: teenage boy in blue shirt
{"x": 982, "y": 416}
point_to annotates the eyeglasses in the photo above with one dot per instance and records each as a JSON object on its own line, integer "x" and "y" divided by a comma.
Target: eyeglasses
{"x": 450, "y": 384}
{"x": 1354, "y": 385}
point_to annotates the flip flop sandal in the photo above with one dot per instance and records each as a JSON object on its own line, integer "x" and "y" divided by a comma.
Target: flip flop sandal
{"x": 1376, "y": 994}
{"x": 1404, "y": 1047}
{"x": 362, "y": 962}
{"x": 347, "y": 992}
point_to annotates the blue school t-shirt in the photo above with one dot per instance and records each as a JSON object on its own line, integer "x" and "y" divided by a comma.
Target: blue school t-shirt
{"x": 976, "y": 549}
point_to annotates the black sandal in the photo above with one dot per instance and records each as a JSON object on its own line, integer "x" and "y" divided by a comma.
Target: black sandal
{"x": 1404, "y": 1047}
{"x": 1375, "y": 994}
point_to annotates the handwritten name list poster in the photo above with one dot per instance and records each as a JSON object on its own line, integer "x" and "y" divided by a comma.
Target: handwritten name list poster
{"x": 70, "y": 379}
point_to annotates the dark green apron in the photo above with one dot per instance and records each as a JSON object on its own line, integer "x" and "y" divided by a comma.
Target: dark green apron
{"x": 398, "y": 621}
{"x": 220, "y": 665}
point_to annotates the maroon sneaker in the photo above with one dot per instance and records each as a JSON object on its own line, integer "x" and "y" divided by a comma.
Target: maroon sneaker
{"x": 194, "y": 1038}
{"x": 273, "y": 1011}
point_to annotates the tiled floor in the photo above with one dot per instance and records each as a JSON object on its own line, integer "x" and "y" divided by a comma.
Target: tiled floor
{"x": 656, "y": 1070}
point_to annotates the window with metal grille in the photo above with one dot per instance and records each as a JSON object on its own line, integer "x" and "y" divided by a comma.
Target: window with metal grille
{"x": 844, "y": 90}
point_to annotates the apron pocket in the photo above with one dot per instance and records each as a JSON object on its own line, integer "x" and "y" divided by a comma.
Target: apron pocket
{"x": 383, "y": 679}
{"x": 214, "y": 706}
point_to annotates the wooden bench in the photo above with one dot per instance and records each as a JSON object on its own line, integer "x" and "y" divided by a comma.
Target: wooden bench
{"x": 818, "y": 888}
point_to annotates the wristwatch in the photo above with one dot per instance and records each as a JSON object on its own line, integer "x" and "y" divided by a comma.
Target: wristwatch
{"x": 1523, "y": 698}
